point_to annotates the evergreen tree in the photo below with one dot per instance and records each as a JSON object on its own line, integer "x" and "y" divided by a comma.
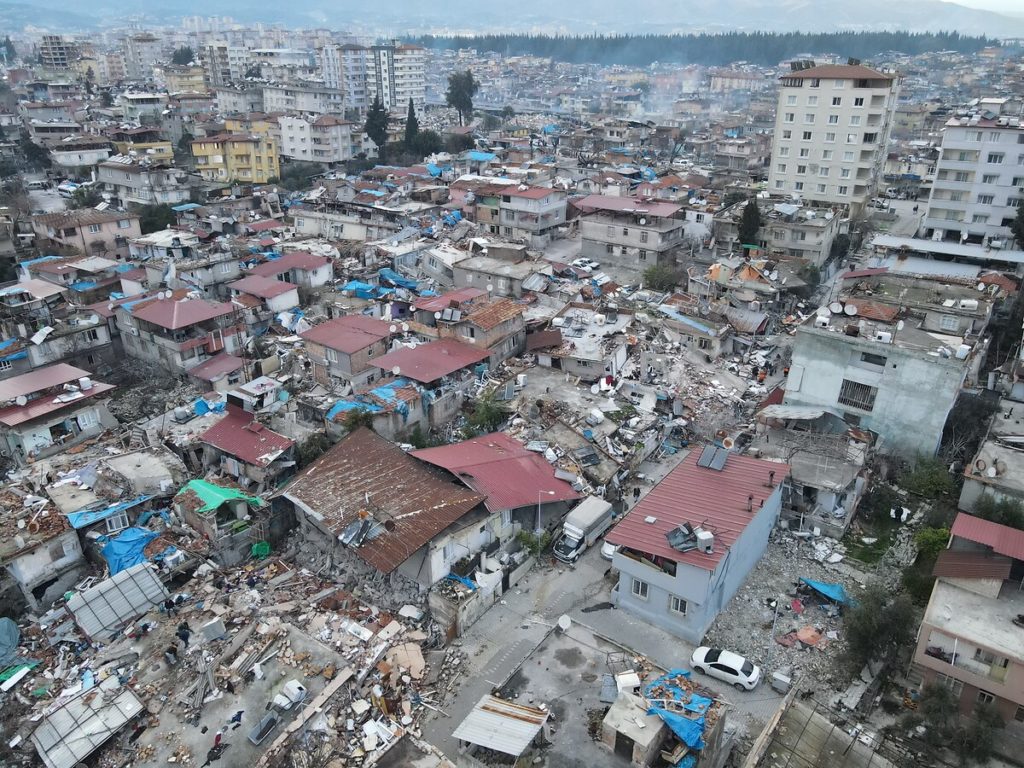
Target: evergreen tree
{"x": 9, "y": 49}
{"x": 750, "y": 223}
{"x": 377, "y": 125}
{"x": 1017, "y": 227}
{"x": 462, "y": 87}
{"x": 183, "y": 55}
{"x": 412, "y": 126}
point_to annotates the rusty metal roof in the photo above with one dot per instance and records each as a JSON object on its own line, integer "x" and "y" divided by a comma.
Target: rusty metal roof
{"x": 241, "y": 436}
{"x": 39, "y": 379}
{"x": 263, "y": 287}
{"x": 348, "y": 334}
{"x": 1001, "y": 538}
{"x": 291, "y": 260}
{"x": 430, "y": 362}
{"x": 411, "y": 501}
{"x": 971, "y": 565}
{"x": 488, "y": 316}
{"x": 174, "y": 314}
{"x": 715, "y": 499}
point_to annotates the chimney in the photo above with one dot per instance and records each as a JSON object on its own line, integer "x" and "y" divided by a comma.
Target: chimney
{"x": 750, "y": 503}
{"x": 771, "y": 480}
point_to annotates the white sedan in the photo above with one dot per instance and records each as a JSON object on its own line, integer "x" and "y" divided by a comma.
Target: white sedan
{"x": 586, "y": 265}
{"x": 726, "y": 666}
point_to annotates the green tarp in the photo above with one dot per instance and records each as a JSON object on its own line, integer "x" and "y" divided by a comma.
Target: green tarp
{"x": 213, "y": 496}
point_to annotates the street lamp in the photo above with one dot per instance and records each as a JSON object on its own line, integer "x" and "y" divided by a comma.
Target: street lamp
{"x": 537, "y": 529}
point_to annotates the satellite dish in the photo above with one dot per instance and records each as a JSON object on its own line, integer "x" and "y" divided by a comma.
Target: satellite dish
{"x": 564, "y": 622}
{"x": 981, "y": 287}
{"x": 21, "y": 400}
{"x": 490, "y": 287}
{"x": 899, "y": 326}
{"x": 396, "y": 370}
{"x": 823, "y": 312}
{"x": 405, "y": 327}
{"x": 835, "y": 308}
{"x": 851, "y": 310}
{"x": 437, "y": 315}
{"x": 393, "y": 329}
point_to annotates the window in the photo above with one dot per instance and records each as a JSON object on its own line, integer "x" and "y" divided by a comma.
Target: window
{"x": 609, "y": 248}
{"x": 789, "y": 117}
{"x": 57, "y": 551}
{"x": 848, "y": 157}
{"x": 833, "y": 119}
{"x": 779, "y": 184}
{"x": 1018, "y": 181}
{"x": 94, "y": 229}
{"x": 448, "y": 553}
{"x": 801, "y": 169}
{"x": 995, "y": 157}
{"x": 837, "y": 101}
{"x": 984, "y": 697}
{"x": 809, "y": 118}
{"x": 506, "y": 518}
{"x": 783, "y": 151}
{"x": 858, "y": 102}
{"x": 625, "y": 232}
{"x": 870, "y": 138}
{"x": 332, "y": 355}
{"x": 611, "y": 231}
{"x": 843, "y": 190}
{"x": 812, "y": 101}
{"x": 872, "y": 359}
{"x": 6, "y": 365}
{"x": 979, "y": 218}
{"x": 1013, "y": 202}
{"x": 643, "y": 255}
{"x": 815, "y": 82}
{"x": 844, "y": 173}
{"x": 798, "y": 186}
{"x": 791, "y": 100}
{"x": 857, "y": 395}
{"x": 956, "y": 197}
{"x": 991, "y": 178}
{"x": 643, "y": 236}
{"x": 953, "y": 684}
{"x": 787, "y": 134}
{"x": 962, "y": 176}
{"x": 994, "y": 136}
{"x": 830, "y": 138}
{"x": 986, "y": 199}
{"x": 824, "y": 171}
{"x": 781, "y": 167}
{"x": 1019, "y": 714}
{"x": 124, "y": 223}
{"x": 805, "y": 152}
{"x": 974, "y": 135}
{"x": 677, "y": 605}
{"x": 640, "y": 589}
{"x": 855, "y": 120}
{"x": 826, "y": 154}
{"x": 806, "y": 136}
{"x": 949, "y": 323}
{"x": 851, "y": 138}
{"x": 821, "y": 191}
{"x": 799, "y": 236}
{"x": 117, "y": 522}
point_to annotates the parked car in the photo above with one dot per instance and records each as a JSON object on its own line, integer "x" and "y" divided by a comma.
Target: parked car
{"x": 586, "y": 265}
{"x": 608, "y": 550}
{"x": 726, "y": 666}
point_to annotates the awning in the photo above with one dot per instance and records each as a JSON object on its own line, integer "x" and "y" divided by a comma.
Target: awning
{"x": 87, "y": 517}
{"x": 501, "y": 725}
{"x": 794, "y": 412}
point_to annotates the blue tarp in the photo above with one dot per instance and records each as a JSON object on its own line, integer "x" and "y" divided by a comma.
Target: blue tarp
{"x": 88, "y": 517}
{"x": 185, "y": 207}
{"x": 6, "y": 344}
{"x": 462, "y": 580}
{"x": 479, "y": 157}
{"x": 127, "y": 549}
{"x": 83, "y": 285}
{"x": 689, "y": 730}
{"x": 201, "y": 407}
{"x": 359, "y": 288}
{"x": 834, "y": 592}
{"x": 396, "y": 279}
{"x": 434, "y": 170}
{"x": 685, "y": 320}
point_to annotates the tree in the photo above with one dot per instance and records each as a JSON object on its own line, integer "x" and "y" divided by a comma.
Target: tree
{"x": 312, "y": 448}
{"x": 9, "y": 49}
{"x": 459, "y": 142}
{"x": 356, "y": 418}
{"x": 183, "y": 55}
{"x": 661, "y": 277}
{"x": 377, "y": 125}
{"x": 750, "y": 223}
{"x": 1017, "y": 227}
{"x": 931, "y": 541}
{"x": 153, "y": 218}
{"x": 1002, "y": 510}
{"x": 427, "y": 143}
{"x": 106, "y": 99}
{"x": 35, "y": 156}
{"x": 507, "y": 113}
{"x": 488, "y": 414}
{"x": 490, "y": 122}
{"x": 185, "y": 143}
{"x": 462, "y": 87}
{"x": 86, "y": 197}
{"x": 298, "y": 176}
{"x": 969, "y": 738}
{"x": 90, "y": 81}
{"x": 877, "y": 626}
{"x": 929, "y": 478}
{"x": 412, "y": 126}
{"x": 732, "y": 197}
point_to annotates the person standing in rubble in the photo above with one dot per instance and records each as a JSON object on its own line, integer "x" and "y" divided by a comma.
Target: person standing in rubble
{"x": 184, "y": 632}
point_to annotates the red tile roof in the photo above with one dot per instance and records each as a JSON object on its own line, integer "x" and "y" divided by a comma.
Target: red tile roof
{"x": 430, "y": 362}
{"x": 838, "y": 72}
{"x": 872, "y": 310}
{"x": 501, "y": 468}
{"x": 240, "y": 435}
{"x": 713, "y": 499}
{"x": 1003, "y": 539}
{"x": 264, "y": 287}
{"x": 39, "y": 379}
{"x": 971, "y": 565}
{"x": 291, "y": 260}
{"x": 532, "y": 193}
{"x": 263, "y": 225}
{"x": 493, "y": 314}
{"x": 348, "y": 334}
{"x": 174, "y": 314}
{"x": 448, "y": 300}
{"x": 216, "y": 368}
{"x": 364, "y": 472}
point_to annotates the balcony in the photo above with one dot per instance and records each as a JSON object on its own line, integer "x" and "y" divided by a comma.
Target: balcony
{"x": 967, "y": 657}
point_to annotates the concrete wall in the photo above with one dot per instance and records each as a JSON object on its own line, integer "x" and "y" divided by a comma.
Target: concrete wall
{"x": 59, "y": 560}
{"x": 976, "y": 487}
{"x": 915, "y": 390}
{"x": 706, "y": 593}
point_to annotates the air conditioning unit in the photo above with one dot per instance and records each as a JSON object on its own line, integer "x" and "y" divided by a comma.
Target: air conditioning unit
{"x": 883, "y": 337}
{"x": 821, "y": 322}
{"x": 705, "y": 541}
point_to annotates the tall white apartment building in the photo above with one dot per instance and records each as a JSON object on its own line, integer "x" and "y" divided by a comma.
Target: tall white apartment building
{"x": 141, "y": 53}
{"x": 325, "y": 139}
{"x": 831, "y": 132}
{"x": 979, "y": 178}
{"x": 225, "y": 63}
{"x": 344, "y": 68}
{"x": 396, "y": 73}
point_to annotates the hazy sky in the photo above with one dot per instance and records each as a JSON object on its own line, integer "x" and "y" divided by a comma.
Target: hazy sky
{"x": 1015, "y": 7}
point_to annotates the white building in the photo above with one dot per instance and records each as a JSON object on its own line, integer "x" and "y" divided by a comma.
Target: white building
{"x": 142, "y": 181}
{"x": 141, "y": 54}
{"x": 979, "y": 180}
{"x": 344, "y": 68}
{"x": 396, "y": 74}
{"x": 325, "y": 139}
{"x": 225, "y": 63}
{"x": 309, "y": 99}
{"x": 831, "y": 132}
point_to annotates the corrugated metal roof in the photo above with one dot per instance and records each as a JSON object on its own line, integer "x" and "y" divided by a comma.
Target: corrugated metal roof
{"x": 216, "y": 367}
{"x": 263, "y": 287}
{"x": 429, "y": 362}
{"x": 292, "y": 260}
{"x": 971, "y": 565}
{"x": 501, "y": 725}
{"x": 71, "y": 733}
{"x": 1002, "y": 538}
{"x": 240, "y": 435}
{"x": 488, "y": 316}
{"x": 543, "y": 339}
{"x": 173, "y": 314}
{"x": 447, "y": 300}
{"x": 119, "y": 599}
{"x": 714, "y": 499}
{"x": 365, "y": 472}
{"x": 39, "y": 379}
{"x": 872, "y": 310}
{"x": 20, "y": 414}
{"x": 264, "y": 225}
{"x": 627, "y": 205}
{"x": 501, "y": 468}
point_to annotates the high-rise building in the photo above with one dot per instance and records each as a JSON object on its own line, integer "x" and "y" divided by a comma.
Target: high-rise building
{"x": 57, "y": 53}
{"x": 141, "y": 54}
{"x": 345, "y": 68}
{"x": 225, "y": 63}
{"x": 396, "y": 74}
{"x": 831, "y": 132}
{"x": 979, "y": 178}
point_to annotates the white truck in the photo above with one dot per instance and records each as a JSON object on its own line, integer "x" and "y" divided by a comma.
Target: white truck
{"x": 584, "y": 525}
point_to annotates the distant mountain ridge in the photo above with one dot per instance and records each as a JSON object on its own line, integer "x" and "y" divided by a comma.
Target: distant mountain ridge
{"x": 583, "y": 16}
